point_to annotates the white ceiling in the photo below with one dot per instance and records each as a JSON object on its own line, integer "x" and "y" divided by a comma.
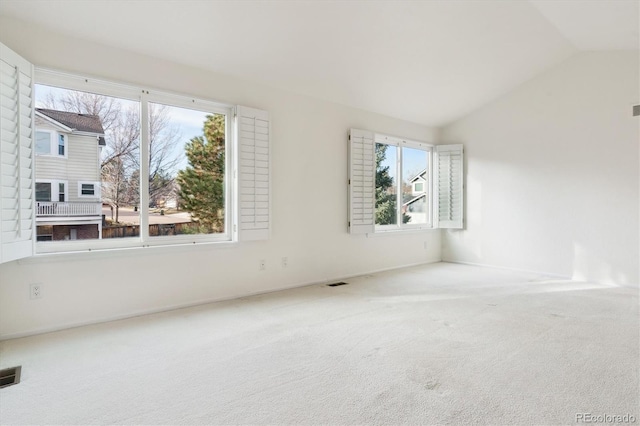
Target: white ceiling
{"x": 595, "y": 25}
{"x": 428, "y": 62}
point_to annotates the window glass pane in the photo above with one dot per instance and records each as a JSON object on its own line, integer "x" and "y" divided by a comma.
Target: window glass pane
{"x": 43, "y": 143}
{"x": 186, "y": 171}
{"x": 61, "y": 192}
{"x": 415, "y": 176}
{"x": 43, "y": 191}
{"x": 386, "y": 184}
{"x": 60, "y": 144}
{"x": 105, "y": 149}
{"x": 88, "y": 189}
{"x": 44, "y": 233}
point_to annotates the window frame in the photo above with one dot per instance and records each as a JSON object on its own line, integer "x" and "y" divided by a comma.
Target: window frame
{"x": 96, "y": 189}
{"x": 54, "y": 190}
{"x": 400, "y": 143}
{"x": 38, "y": 181}
{"x": 144, "y": 96}
{"x": 54, "y": 144}
{"x": 62, "y": 138}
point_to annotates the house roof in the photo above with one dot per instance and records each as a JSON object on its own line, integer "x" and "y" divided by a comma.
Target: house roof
{"x": 77, "y": 122}
{"x": 418, "y": 175}
{"x": 413, "y": 200}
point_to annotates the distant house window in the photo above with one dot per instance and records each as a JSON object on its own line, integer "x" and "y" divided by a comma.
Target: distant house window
{"x": 419, "y": 187}
{"x": 43, "y": 191}
{"x": 50, "y": 143}
{"x": 61, "y": 144}
{"x": 61, "y": 192}
{"x": 44, "y": 233}
{"x": 43, "y": 143}
{"x": 88, "y": 189}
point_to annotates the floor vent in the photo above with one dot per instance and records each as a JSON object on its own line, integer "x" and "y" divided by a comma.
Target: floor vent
{"x": 10, "y": 376}
{"x": 337, "y": 284}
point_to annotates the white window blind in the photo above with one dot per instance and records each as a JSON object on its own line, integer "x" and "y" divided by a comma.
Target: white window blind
{"x": 254, "y": 178}
{"x": 449, "y": 186}
{"x": 16, "y": 158}
{"x": 362, "y": 174}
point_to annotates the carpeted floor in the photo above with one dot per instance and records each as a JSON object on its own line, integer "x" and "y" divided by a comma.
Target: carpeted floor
{"x": 436, "y": 344}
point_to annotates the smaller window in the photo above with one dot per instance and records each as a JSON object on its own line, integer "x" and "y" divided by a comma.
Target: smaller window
{"x": 43, "y": 191}
{"x": 61, "y": 144}
{"x": 44, "y": 233}
{"x": 419, "y": 187}
{"x": 88, "y": 189}
{"x": 61, "y": 192}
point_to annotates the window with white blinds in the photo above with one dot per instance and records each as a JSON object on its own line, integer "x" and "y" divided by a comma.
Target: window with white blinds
{"x": 361, "y": 182}
{"x": 254, "y": 186}
{"x": 16, "y": 159}
{"x": 449, "y": 186}
{"x": 394, "y": 185}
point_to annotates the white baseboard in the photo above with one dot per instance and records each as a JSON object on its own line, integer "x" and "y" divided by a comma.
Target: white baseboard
{"x": 199, "y": 303}
{"x": 506, "y": 268}
{"x": 547, "y": 274}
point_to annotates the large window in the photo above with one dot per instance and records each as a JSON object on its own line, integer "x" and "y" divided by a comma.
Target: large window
{"x": 402, "y": 183}
{"x": 49, "y": 142}
{"x": 130, "y": 158}
{"x": 149, "y": 168}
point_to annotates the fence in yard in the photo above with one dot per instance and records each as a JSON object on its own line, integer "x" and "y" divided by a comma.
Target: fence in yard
{"x": 157, "y": 229}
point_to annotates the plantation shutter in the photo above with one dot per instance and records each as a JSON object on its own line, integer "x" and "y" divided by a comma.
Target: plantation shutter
{"x": 16, "y": 159}
{"x": 449, "y": 186}
{"x": 254, "y": 189}
{"x": 362, "y": 173}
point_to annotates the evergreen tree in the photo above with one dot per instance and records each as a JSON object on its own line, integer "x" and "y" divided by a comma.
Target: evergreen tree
{"x": 386, "y": 197}
{"x": 202, "y": 181}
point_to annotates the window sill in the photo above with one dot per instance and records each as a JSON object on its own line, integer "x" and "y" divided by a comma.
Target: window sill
{"x": 404, "y": 231}
{"x": 82, "y": 253}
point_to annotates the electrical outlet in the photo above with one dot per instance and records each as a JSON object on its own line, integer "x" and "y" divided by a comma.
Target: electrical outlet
{"x": 285, "y": 262}
{"x": 35, "y": 291}
{"x": 425, "y": 245}
{"x": 263, "y": 265}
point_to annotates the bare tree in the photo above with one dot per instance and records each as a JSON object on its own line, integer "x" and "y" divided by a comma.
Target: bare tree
{"x": 163, "y": 137}
{"x": 120, "y": 162}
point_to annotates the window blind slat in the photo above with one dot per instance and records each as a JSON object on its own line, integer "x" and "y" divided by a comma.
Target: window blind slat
{"x": 361, "y": 182}
{"x": 16, "y": 179}
{"x": 254, "y": 213}
{"x": 449, "y": 187}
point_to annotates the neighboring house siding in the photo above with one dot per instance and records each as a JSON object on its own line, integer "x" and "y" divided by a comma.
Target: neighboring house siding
{"x": 79, "y": 165}
{"x": 83, "y": 164}
{"x": 50, "y": 167}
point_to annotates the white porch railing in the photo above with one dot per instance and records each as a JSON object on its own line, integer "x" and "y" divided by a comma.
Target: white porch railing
{"x": 68, "y": 209}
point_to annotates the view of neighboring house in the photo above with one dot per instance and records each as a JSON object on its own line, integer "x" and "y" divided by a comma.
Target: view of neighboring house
{"x": 67, "y": 172}
{"x": 416, "y": 206}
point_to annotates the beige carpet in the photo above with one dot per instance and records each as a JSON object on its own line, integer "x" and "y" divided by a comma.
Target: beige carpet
{"x": 437, "y": 344}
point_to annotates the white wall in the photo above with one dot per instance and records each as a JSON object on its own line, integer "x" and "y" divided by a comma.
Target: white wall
{"x": 309, "y": 169}
{"x": 552, "y": 173}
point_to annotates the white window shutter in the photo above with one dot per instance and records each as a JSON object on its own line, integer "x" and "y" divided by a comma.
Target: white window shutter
{"x": 16, "y": 158}
{"x": 254, "y": 176}
{"x": 449, "y": 186}
{"x": 362, "y": 185}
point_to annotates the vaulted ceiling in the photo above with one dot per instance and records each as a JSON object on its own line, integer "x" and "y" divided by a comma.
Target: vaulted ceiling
{"x": 428, "y": 62}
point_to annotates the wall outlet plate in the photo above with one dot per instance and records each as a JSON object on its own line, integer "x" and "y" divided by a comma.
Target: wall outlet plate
{"x": 35, "y": 291}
